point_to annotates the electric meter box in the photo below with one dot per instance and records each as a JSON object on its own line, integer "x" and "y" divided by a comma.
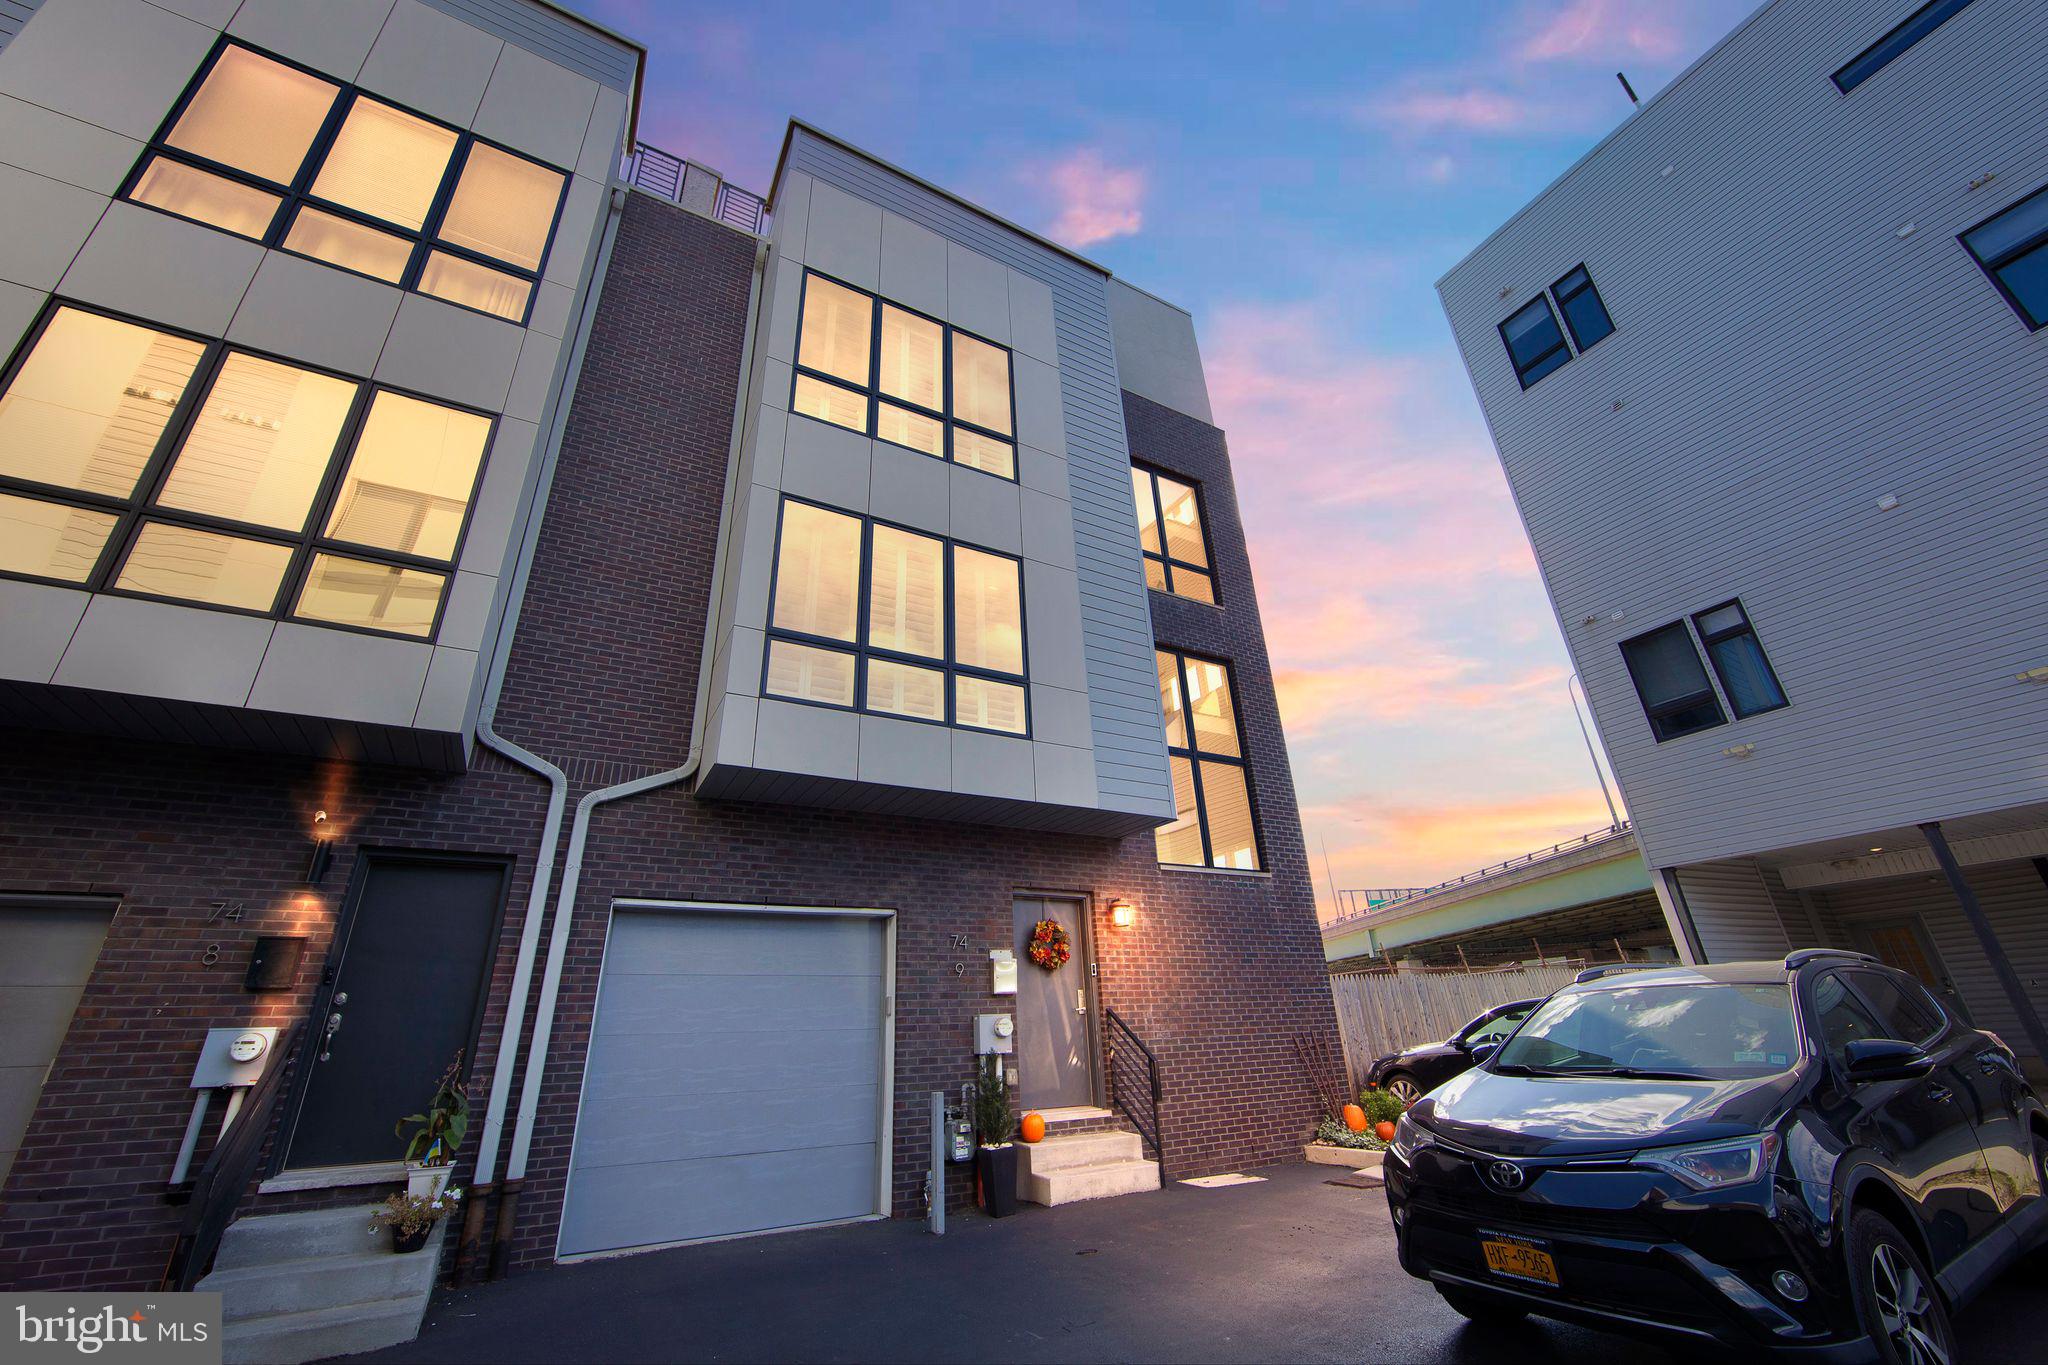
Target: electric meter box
{"x": 233, "y": 1056}
{"x": 994, "y": 1033}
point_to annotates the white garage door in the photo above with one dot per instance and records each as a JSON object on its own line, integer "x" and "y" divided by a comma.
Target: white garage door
{"x": 735, "y": 1078}
{"x": 46, "y": 954}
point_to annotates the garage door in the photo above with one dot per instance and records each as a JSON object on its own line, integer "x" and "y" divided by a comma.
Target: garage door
{"x": 46, "y": 954}
{"x": 735, "y": 1078}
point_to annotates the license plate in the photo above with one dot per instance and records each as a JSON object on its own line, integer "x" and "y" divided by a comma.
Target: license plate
{"x": 1518, "y": 1258}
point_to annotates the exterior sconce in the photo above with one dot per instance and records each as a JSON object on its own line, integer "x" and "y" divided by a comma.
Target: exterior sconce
{"x": 323, "y": 850}
{"x": 1122, "y": 914}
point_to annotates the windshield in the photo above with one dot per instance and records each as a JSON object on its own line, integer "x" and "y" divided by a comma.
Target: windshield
{"x": 1691, "y": 1029}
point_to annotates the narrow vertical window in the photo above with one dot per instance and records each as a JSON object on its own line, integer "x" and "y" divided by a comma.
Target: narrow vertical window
{"x": 1672, "y": 684}
{"x": 1583, "y": 311}
{"x": 1738, "y": 658}
{"x": 1535, "y": 344}
{"x": 1213, "y": 825}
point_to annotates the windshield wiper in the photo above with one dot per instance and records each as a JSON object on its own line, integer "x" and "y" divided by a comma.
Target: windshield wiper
{"x": 1634, "y": 1073}
{"x": 1517, "y": 1069}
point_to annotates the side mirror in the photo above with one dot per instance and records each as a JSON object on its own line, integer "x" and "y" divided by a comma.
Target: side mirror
{"x": 1481, "y": 1051}
{"x": 1461, "y": 1045}
{"x": 1885, "y": 1059}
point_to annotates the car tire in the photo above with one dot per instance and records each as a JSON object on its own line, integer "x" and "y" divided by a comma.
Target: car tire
{"x": 1482, "y": 1310}
{"x": 1897, "y": 1302}
{"x": 1404, "y": 1088}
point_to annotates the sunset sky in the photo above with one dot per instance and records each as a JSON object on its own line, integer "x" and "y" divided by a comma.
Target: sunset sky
{"x": 1298, "y": 176}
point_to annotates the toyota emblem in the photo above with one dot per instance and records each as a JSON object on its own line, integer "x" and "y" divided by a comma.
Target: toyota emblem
{"x": 1506, "y": 1174}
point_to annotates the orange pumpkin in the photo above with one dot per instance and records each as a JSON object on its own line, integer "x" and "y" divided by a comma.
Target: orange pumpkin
{"x": 1033, "y": 1127}
{"x": 1385, "y": 1131}
{"x": 1354, "y": 1118}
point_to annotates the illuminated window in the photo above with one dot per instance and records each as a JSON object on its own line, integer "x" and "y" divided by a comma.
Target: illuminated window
{"x": 878, "y": 618}
{"x": 291, "y": 159}
{"x": 1213, "y": 824}
{"x": 140, "y": 461}
{"x": 1170, "y": 533}
{"x": 886, "y": 372}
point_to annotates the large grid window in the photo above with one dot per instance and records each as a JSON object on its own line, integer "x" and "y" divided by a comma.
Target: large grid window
{"x": 1675, "y": 693}
{"x": 299, "y": 162}
{"x": 2013, "y": 250}
{"x": 140, "y": 461}
{"x": 1170, "y": 533}
{"x": 1213, "y": 824}
{"x": 901, "y": 377}
{"x": 874, "y": 617}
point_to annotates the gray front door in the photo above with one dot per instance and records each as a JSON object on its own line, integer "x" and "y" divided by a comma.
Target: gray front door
{"x": 1053, "y": 1055}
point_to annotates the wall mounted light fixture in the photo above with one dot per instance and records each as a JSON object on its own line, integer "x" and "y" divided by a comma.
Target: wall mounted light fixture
{"x": 1122, "y": 914}
{"x": 323, "y": 850}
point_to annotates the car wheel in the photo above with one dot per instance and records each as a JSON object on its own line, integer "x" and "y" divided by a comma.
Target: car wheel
{"x": 1402, "y": 1087}
{"x": 1895, "y": 1298}
{"x": 1483, "y": 1310}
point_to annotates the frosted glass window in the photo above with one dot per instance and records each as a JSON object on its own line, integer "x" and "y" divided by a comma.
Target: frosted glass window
{"x": 830, "y": 403}
{"x": 988, "y": 705}
{"x": 205, "y": 567}
{"x": 386, "y": 163}
{"x": 907, "y": 428}
{"x": 981, "y": 383}
{"x": 504, "y": 206}
{"x": 348, "y": 244}
{"x": 912, "y": 355}
{"x": 409, "y": 481}
{"x": 906, "y": 593}
{"x": 475, "y": 286}
{"x": 89, "y": 405}
{"x": 817, "y": 573}
{"x": 985, "y": 453}
{"x": 898, "y": 689}
{"x": 261, "y": 444}
{"x": 988, "y": 611}
{"x": 51, "y": 539}
{"x": 254, "y": 114}
{"x": 355, "y": 592}
{"x": 809, "y": 673}
{"x": 838, "y": 324}
{"x": 190, "y": 192}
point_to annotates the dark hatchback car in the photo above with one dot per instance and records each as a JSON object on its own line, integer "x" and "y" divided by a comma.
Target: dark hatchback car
{"x": 1809, "y": 1156}
{"x": 1410, "y": 1075}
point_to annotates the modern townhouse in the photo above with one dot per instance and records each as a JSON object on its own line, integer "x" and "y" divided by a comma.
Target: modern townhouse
{"x": 1765, "y": 371}
{"x": 457, "y": 603}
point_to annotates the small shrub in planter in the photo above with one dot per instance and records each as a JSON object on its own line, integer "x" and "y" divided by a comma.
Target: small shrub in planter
{"x": 411, "y": 1217}
{"x": 995, "y": 1123}
{"x": 1380, "y": 1106}
{"x": 1334, "y": 1134}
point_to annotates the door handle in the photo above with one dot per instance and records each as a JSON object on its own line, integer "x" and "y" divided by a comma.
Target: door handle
{"x": 1080, "y": 999}
{"x": 327, "y": 1035}
{"x": 1938, "y": 1093}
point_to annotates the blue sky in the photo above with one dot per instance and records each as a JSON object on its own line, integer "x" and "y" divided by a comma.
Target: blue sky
{"x": 1297, "y": 176}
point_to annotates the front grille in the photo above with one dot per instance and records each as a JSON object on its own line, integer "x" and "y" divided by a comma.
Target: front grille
{"x": 1489, "y": 1210}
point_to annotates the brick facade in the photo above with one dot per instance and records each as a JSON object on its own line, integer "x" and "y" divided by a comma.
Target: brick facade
{"x": 1220, "y": 974}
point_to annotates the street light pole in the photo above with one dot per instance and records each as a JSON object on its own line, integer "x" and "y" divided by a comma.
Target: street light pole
{"x": 1613, "y": 815}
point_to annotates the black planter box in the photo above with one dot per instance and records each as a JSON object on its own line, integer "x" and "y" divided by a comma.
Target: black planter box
{"x": 997, "y": 1167}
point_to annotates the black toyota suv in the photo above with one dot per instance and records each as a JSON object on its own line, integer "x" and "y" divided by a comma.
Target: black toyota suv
{"x": 1811, "y": 1156}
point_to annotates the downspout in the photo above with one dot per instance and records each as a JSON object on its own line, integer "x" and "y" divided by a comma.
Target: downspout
{"x": 572, "y": 869}
{"x": 482, "y": 1183}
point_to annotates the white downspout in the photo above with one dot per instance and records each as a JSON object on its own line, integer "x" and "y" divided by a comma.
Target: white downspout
{"x": 572, "y": 870}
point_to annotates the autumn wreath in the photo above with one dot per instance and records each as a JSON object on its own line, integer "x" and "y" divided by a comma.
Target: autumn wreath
{"x": 1050, "y": 945}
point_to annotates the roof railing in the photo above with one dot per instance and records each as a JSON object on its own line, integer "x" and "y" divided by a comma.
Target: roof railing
{"x": 1378, "y": 903}
{"x": 695, "y": 186}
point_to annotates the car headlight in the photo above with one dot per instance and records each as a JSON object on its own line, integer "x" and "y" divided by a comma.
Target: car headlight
{"x": 1715, "y": 1165}
{"x": 1410, "y": 1137}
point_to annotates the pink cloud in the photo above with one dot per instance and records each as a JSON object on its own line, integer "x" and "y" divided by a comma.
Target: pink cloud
{"x": 1603, "y": 30}
{"x": 1474, "y": 109}
{"x": 1093, "y": 200}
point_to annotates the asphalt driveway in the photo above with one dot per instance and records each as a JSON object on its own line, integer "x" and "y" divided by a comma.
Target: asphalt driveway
{"x": 1285, "y": 1270}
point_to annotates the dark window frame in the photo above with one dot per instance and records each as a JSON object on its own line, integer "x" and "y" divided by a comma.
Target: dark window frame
{"x": 1907, "y": 986}
{"x": 1563, "y": 298}
{"x": 1896, "y": 42}
{"x": 1748, "y": 627}
{"x": 861, "y": 651}
{"x": 1543, "y": 300}
{"x": 1165, "y": 558}
{"x": 1196, "y": 757}
{"x": 1657, "y": 714}
{"x": 139, "y": 506}
{"x": 2011, "y": 255}
{"x": 874, "y": 396}
{"x": 299, "y": 193}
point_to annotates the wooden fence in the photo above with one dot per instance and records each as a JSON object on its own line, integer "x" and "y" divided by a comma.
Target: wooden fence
{"x": 1382, "y": 1012}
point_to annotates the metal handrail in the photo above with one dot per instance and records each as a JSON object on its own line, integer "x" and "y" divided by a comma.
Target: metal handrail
{"x": 1568, "y": 846}
{"x": 668, "y": 175}
{"x": 1122, "y": 1066}
{"x": 221, "y": 1181}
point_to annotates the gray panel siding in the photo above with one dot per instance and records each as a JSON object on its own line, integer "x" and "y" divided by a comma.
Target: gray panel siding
{"x": 548, "y": 34}
{"x": 1783, "y": 358}
{"x": 13, "y": 14}
{"x": 1733, "y": 912}
{"x": 1116, "y": 622}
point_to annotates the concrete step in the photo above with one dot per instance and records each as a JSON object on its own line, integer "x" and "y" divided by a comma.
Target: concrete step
{"x": 316, "y": 1334}
{"x": 365, "y": 1276}
{"x": 1102, "y": 1181}
{"x": 1079, "y": 1149}
{"x": 273, "y": 1237}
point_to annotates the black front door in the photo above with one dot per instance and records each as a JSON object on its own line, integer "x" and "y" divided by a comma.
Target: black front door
{"x": 413, "y": 957}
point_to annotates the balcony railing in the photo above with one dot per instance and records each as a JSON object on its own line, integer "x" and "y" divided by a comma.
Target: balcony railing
{"x": 683, "y": 181}
{"x": 1353, "y": 906}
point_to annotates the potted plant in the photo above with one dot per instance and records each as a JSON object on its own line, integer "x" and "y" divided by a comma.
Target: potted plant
{"x": 995, "y": 1163}
{"x": 411, "y": 1217}
{"x": 437, "y": 1134}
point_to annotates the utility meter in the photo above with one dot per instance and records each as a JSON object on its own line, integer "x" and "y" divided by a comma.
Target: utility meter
{"x": 994, "y": 1033}
{"x": 959, "y": 1140}
{"x": 247, "y": 1047}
